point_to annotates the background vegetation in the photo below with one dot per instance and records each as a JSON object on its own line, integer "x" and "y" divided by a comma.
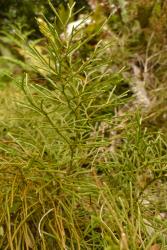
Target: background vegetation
{"x": 83, "y": 125}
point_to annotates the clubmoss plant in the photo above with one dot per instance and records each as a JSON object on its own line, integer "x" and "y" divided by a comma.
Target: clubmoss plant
{"x": 74, "y": 174}
{"x": 49, "y": 202}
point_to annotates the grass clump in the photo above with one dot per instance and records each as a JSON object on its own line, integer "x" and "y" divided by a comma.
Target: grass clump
{"x": 75, "y": 173}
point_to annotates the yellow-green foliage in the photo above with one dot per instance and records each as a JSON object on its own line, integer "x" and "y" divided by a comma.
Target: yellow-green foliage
{"x": 152, "y": 16}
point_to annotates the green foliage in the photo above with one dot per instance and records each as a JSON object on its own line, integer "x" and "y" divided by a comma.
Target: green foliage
{"x": 51, "y": 149}
{"x": 24, "y": 12}
{"x": 81, "y": 166}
